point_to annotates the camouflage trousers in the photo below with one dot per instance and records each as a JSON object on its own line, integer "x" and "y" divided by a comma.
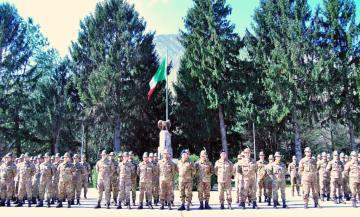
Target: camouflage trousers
{"x": 145, "y": 188}
{"x": 65, "y": 190}
{"x": 354, "y": 188}
{"x": 85, "y": 184}
{"x": 104, "y": 185}
{"x": 268, "y": 187}
{"x": 124, "y": 190}
{"x": 238, "y": 187}
{"x": 155, "y": 191}
{"x": 35, "y": 187}
{"x": 308, "y": 184}
{"x": 45, "y": 186}
{"x": 295, "y": 184}
{"x": 77, "y": 189}
{"x": 115, "y": 186}
{"x": 261, "y": 187}
{"x": 25, "y": 188}
{"x": 166, "y": 191}
{"x": 203, "y": 189}
{"x": 324, "y": 185}
{"x": 185, "y": 189}
{"x": 278, "y": 184}
{"x": 6, "y": 189}
{"x": 133, "y": 189}
{"x": 55, "y": 189}
{"x": 345, "y": 185}
{"x": 335, "y": 187}
{"x": 248, "y": 190}
{"x": 224, "y": 187}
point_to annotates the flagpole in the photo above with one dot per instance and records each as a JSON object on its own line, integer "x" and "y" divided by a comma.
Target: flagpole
{"x": 166, "y": 88}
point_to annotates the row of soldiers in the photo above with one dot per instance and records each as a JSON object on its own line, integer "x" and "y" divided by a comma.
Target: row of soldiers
{"x": 31, "y": 178}
{"x": 156, "y": 179}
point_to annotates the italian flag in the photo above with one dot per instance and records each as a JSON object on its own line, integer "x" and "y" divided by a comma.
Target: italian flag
{"x": 160, "y": 75}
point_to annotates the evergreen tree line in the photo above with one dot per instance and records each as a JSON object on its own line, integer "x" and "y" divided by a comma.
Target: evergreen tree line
{"x": 293, "y": 79}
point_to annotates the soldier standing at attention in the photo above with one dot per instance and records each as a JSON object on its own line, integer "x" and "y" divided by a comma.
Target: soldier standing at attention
{"x": 114, "y": 178}
{"x": 167, "y": 171}
{"x": 126, "y": 171}
{"x": 145, "y": 171}
{"x": 324, "y": 179}
{"x": 26, "y": 172}
{"x": 155, "y": 180}
{"x": 352, "y": 170}
{"x": 66, "y": 172}
{"x": 133, "y": 177}
{"x": 47, "y": 171}
{"x": 77, "y": 178}
{"x": 261, "y": 175}
{"x": 186, "y": 172}
{"x": 55, "y": 181}
{"x": 85, "y": 178}
{"x": 335, "y": 168}
{"x": 345, "y": 190}
{"x": 104, "y": 169}
{"x": 268, "y": 181}
{"x": 8, "y": 172}
{"x": 278, "y": 172}
{"x": 293, "y": 170}
{"x": 36, "y": 179}
{"x": 238, "y": 178}
{"x": 224, "y": 170}
{"x": 204, "y": 170}
{"x": 308, "y": 170}
{"x": 247, "y": 169}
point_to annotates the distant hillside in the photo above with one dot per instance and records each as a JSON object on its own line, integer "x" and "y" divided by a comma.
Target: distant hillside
{"x": 171, "y": 45}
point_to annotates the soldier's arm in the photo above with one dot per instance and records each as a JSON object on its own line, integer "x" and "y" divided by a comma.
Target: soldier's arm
{"x": 347, "y": 169}
{"x": 329, "y": 166}
{"x": 216, "y": 167}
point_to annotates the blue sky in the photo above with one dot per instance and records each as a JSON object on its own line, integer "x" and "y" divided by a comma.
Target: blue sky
{"x": 59, "y": 19}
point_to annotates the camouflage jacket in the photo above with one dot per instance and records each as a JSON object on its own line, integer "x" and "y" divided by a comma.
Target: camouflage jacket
{"x": 204, "y": 170}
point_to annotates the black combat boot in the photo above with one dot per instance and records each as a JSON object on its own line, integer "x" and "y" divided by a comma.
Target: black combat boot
{"x": 115, "y": 201}
{"x": 59, "y": 205}
{"x": 254, "y": 205}
{"x": 150, "y": 205}
{"x": 8, "y": 203}
{"x": 40, "y": 203}
{"x": 162, "y": 206}
{"x": 341, "y": 200}
{"x": 222, "y": 206}
{"x": 259, "y": 199}
{"x": 207, "y": 205}
{"x": 19, "y": 204}
{"x": 140, "y": 205}
{"x": 78, "y": 202}
{"x": 242, "y": 205}
{"x": 29, "y": 203}
{"x": 72, "y": 202}
{"x": 284, "y": 204}
{"x": 108, "y": 205}
{"x": 52, "y": 201}
{"x": 119, "y": 206}
{"x": 133, "y": 203}
{"x": 182, "y": 207}
{"x": 85, "y": 195}
{"x": 201, "y": 205}
{"x": 188, "y": 207}
{"x": 128, "y": 204}
{"x": 328, "y": 197}
{"x": 69, "y": 203}
{"x": 169, "y": 205}
{"x": 33, "y": 201}
{"x": 275, "y": 204}
{"x": 48, "y": 202}
{"x": 354, "y": 203}
{"x": 98, "y": 206}
{"x": 269, "y": 201}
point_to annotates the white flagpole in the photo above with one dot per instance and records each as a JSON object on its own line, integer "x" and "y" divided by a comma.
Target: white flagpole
{"x": 166, "y": 77}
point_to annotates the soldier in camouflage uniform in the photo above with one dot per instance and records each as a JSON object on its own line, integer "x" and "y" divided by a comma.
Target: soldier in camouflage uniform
{"x": 204, "y": 171}
{"x": 145, "y": 171}
{"x": 26, "y": 171}
{"x": 167, "y": 171}
{"x": 47, "y": 171}
{"x": 55, "y": 180}
{"x": 224, "y": 169}
{"x": 308, "y": 171}
{"x": 85, "y": 178}
{"x": 36, "y": 179}
{"x": 352, "y": 171}
{"x": 335, "y": 168}
{"x": 247, "y": 169}
{"x": 66, "y": 172}
{"x": 7, "y": 174}
{"x": 105, "y": 169}
{"x": 324, "y": 178}
{"x": 16, "y": 189}
{"x": 268, "y": 181}
{"x": 186, "y": 172}
{"x": 238, "y": 178}
{"x": 261, "y": 175}
{"x": 278, "y": 171}
{"x": 344, "y": 179}
{"x": 77, "y": 179}
{"x": 293, "y": 170}
{"x": 114, "y": 178}
{"x": 126, "y": 171}
{"x": 133, "y": 177}
{"x": 155, "y": 181}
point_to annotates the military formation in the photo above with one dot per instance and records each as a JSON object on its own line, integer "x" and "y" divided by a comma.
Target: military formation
{"x": 61, "y": 179}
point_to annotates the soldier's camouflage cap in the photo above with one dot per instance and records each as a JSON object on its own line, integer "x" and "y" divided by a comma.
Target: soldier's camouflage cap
{"x": 307, "y": 149}
{"x": 103, "y": 152}
{"x": 203, "y": 153}
{"x": 353, "y": 153}
{"x": 111, "y": 154}
{"x": 125, "y": 154}
{"x": 39, "y": 156}
{"x": 335, "y": 153}
{"x": 66, "y": 155}
{"x": 120, "y": 154}
{"x": 247, "y": 150}
{"x": 145, "y": 154}
{"x": 155, "y": 154}
{"x": 46, "y": 155}
{"x": 57, "y": 155}
{"x": 26, "y": 155}
{"x": 294, "y": 157}
{"x": 271, "y": 157}
{"x": 342, "y": 155}
{"x": 76, "y": 156}
{"x": 21, "y": 156}
{"x": 184, "y": 151}
{"x": 277, "y": 154}
{"x": 9, "y": 154}
{"x": 151, "y": 155}
{"x": 52, "y": 157}
{"x": 261, "y": 153}
{"x": 131, "y": 153}
{"x": 239, "y": 156}
{"x": 324, "y": 154}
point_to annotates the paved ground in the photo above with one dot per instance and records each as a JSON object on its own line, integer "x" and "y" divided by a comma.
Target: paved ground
{"x": 86, "y": 210}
